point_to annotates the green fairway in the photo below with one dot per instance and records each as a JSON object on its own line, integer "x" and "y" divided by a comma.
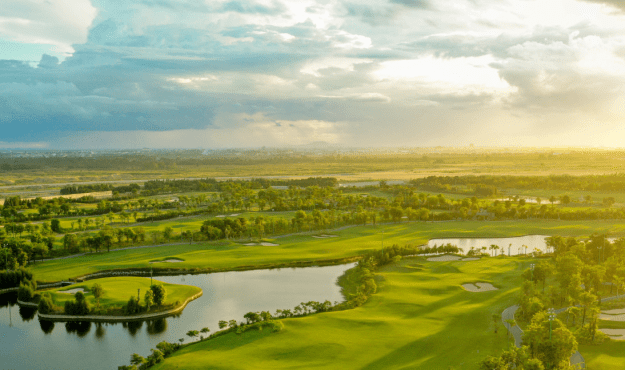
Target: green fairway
{"x": 351, "y": 242}
{"x": 420, "y": 318}
{"x": 117, "y": 291}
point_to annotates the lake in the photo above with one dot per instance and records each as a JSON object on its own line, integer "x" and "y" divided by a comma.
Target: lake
{"x": 515, "y": 244}
{"x": 27, "y": 343}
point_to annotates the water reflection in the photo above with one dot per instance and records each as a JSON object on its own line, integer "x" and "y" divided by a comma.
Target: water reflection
{"x": 46, "y": 326}
{"x": 81, "y": 328}
{"x": 27, "y": 313}
{"x": 7, "y": 299}
{"x": 99, "y": 330}
{"x": 133, "y": 326}
{"x": 157, "y": 326}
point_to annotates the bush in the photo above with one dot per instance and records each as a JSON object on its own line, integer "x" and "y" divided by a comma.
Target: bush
{"x": 132, "y": 307}
{"x": 25, "y": 293}
{"x": 13, "y": 279}
{"x": 79, "y": 307}
{"x": 160, "y": 294}
{"x": 45, "y": 304}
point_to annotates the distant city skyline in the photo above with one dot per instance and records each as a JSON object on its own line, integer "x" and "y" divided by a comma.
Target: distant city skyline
{"x": 113, "y": 74}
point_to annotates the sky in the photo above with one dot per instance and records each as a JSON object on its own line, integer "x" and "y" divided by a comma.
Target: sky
{"x": 117, "y": 74}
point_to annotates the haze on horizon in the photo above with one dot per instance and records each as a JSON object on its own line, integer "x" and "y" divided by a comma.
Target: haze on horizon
{"x": 112, "y": 74}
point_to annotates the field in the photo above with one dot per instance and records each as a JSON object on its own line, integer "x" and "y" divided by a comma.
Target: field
{"x": 420, "y": 318}
{"x": 351, "y": 242}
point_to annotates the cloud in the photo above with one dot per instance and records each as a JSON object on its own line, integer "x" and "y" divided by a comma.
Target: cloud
{"x": 206, "y": 73}
{"x": 619, "y": 4}
{"x": 238, "y": 130}
{"x": 420, "y": 4}
{"x": 60, "y": 23}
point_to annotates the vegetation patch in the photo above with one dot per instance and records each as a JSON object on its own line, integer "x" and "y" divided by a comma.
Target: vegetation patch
{"x": 118, "y": 296}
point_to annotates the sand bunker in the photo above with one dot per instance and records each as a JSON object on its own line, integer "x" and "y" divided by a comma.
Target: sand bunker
{"x": 73, "y": 291}
{"x": 443, "y": 258}
{"x": 478, "y": 287}
{"x": 264, "y": 244}
{"x": 616, "y": 334}
{"x": 619, "y": 311}
{"x": 168, "y": 261}
{"x": 325, "y": 236}
{"x": 605, "y": 317}
{"x": 221, "y": 216}
{"x": 234, "y": 215}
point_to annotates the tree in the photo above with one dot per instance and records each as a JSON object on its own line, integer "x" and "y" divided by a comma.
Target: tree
{"x": 70, "y": 242}
{"x": 565, "y": 200}
{"x": 137, "y": 360}
{"x": 223, "y": 324}
{"x": 552, "y": 199}
{"x": 555, "y": 352}
{"x": 608, "y": 202}
{"x": 168, "y": 232}
{"x": 251, "y": 317}
{"x": 542, "y": 271}
{"x": 193, "y": 333}
{"x": 148, "y": 298}
{"x": 97, "y": 291}
{"x": 160, "y": 294}
{"x": 55, "y": 225}
{"x": 588, "y": 301}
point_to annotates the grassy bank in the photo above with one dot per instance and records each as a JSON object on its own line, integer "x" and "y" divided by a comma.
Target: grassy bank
{"x": 420, "y": 318}
{"x": 351, "y": 242}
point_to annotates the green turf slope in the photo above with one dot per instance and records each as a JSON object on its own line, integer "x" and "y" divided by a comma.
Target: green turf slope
{"x": 420, "y": 318}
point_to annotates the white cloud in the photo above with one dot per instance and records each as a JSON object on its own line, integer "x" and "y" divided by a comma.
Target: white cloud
{"x": 60, "y": 23}
{"x": 458, "y": 76}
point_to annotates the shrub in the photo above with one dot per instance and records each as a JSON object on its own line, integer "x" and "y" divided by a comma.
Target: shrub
{"x": 132, "y": 307}
{"x": 25, "y": 293}
{"x": 45, "y": 304}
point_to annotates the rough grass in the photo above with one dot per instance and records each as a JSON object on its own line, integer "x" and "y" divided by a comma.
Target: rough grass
{"x": 351, "y": 242}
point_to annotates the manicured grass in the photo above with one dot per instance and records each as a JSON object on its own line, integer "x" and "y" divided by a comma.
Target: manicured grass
{"x": 605, "y": 356}
{"x": 117, "y": 291}
{"x": 420, "y": 319}
{"x": 351, "y": 242}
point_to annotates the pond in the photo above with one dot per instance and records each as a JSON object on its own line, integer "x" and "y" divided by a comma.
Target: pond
{"x": 27, "y": 343}
{"x": 515, "y": 245}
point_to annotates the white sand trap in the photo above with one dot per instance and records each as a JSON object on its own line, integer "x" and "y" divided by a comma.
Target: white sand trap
{"x": 251, "y": 244}
{"x": 605, "y": 317}
{"x": 478, "y": 287}
{"x": 269, "y": 244}
{"x": 234, "y": 215}
{"x": 616, "y": 334}
{"x": 325, "y": 236}
{"x": 73, "y": 291}
{"x": 619, "y": 311}
{"x": 443, "y": 258}
{"x": 471, "y": 259}
{"x": 167, "y": 261}
{"x": 220, "y": 216}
